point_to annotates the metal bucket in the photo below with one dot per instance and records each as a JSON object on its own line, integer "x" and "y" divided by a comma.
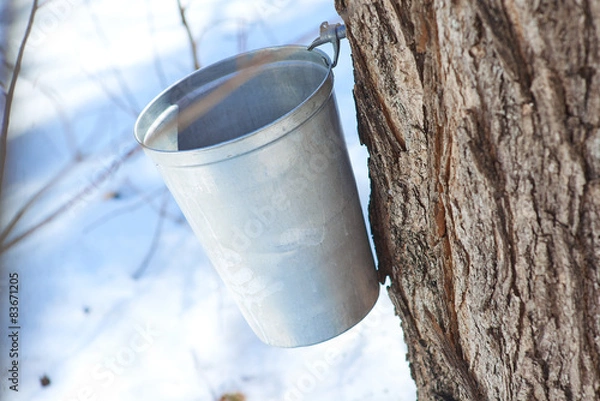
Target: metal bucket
{"x": 253, "y": 152}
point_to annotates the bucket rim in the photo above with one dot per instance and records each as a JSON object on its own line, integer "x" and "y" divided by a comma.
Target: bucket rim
{"x": 251, "y": 140}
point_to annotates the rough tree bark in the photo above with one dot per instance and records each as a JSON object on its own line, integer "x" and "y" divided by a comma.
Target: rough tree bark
{"x": 482, "y": 119}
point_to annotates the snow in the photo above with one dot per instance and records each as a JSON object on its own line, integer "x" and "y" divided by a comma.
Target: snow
{"x": 87, "y": 324}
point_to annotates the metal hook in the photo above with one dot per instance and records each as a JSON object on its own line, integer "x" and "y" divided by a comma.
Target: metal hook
{"x": 330, "y": 34}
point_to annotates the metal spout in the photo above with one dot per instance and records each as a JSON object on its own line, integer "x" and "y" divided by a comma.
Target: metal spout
{"x": 330, "y": 33}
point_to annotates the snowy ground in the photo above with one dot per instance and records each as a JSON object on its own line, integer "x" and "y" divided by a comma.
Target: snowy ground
{"x": 116, "y": 299}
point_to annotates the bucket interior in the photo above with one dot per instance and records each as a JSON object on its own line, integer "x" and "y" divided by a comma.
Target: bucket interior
{"x": 231, "y": 105}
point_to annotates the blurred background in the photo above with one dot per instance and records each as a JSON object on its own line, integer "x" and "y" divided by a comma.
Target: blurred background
{"x": 117, "y": 300}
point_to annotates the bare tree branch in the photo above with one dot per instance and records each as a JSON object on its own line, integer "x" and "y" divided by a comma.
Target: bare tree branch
{"x": 242, "y": 35}
{"x": 248, "y": 69}
{"x": 203, "y": 376}
{"x": 11, "y": 93}
{"x": 54, "y": 98}
{"x": 146, "y": 198}
{"x": 77, "y": 158}
{"x": 6, "y": 15}
{"x": 62, "y": 115}
{"x": 193, "y": 45}
{"x": 128, "y": 108}
{"x": 155, "y": 239}
{"x": 78, "y": 197}
{"x": 53, "y": 181}
{"x": 118, "y": 75}
{"x": 160, "y": 72}
{"x": 268, "y": 32}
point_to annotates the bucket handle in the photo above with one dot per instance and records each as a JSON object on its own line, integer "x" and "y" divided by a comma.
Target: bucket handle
{"x": 330, "y": 33}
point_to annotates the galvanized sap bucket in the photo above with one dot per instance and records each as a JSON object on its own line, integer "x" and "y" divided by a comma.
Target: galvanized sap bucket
{"x": 253, "y": 152}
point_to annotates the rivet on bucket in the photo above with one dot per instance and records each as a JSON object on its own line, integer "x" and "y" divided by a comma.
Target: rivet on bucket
{"x": 253, "y": 152}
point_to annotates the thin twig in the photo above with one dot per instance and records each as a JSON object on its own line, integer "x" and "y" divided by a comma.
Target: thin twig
{"x": 101, "y": 125}
{"x": 203, "y": 377}
{"x": 73, "y": 201}
{"x": 143, "y": 199}
{"x": 247, "y": 69}
{"x": 11, "y": 93}
{"x": 27, "y": 205}
{"x": 242, "y": 35}
{"x": 117, "y": 74}
{"x": 5, "y": 29}
{"x": 215, "y": 24}
{"x": 67, "y": 129}
{"x": 45, "y": 3}
{"x": 160, "y": 72}
{"x": 155, "y": 239}
{"x": 128, "y": 108}
{"x": 176, "y": 218}
{"x": 268, "y": 31}
{"x": 192, "y": 42}
{"x": 54, "y": 98}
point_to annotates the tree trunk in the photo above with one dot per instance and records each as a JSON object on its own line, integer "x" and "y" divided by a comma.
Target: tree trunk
{"x": 482, "y": 120}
